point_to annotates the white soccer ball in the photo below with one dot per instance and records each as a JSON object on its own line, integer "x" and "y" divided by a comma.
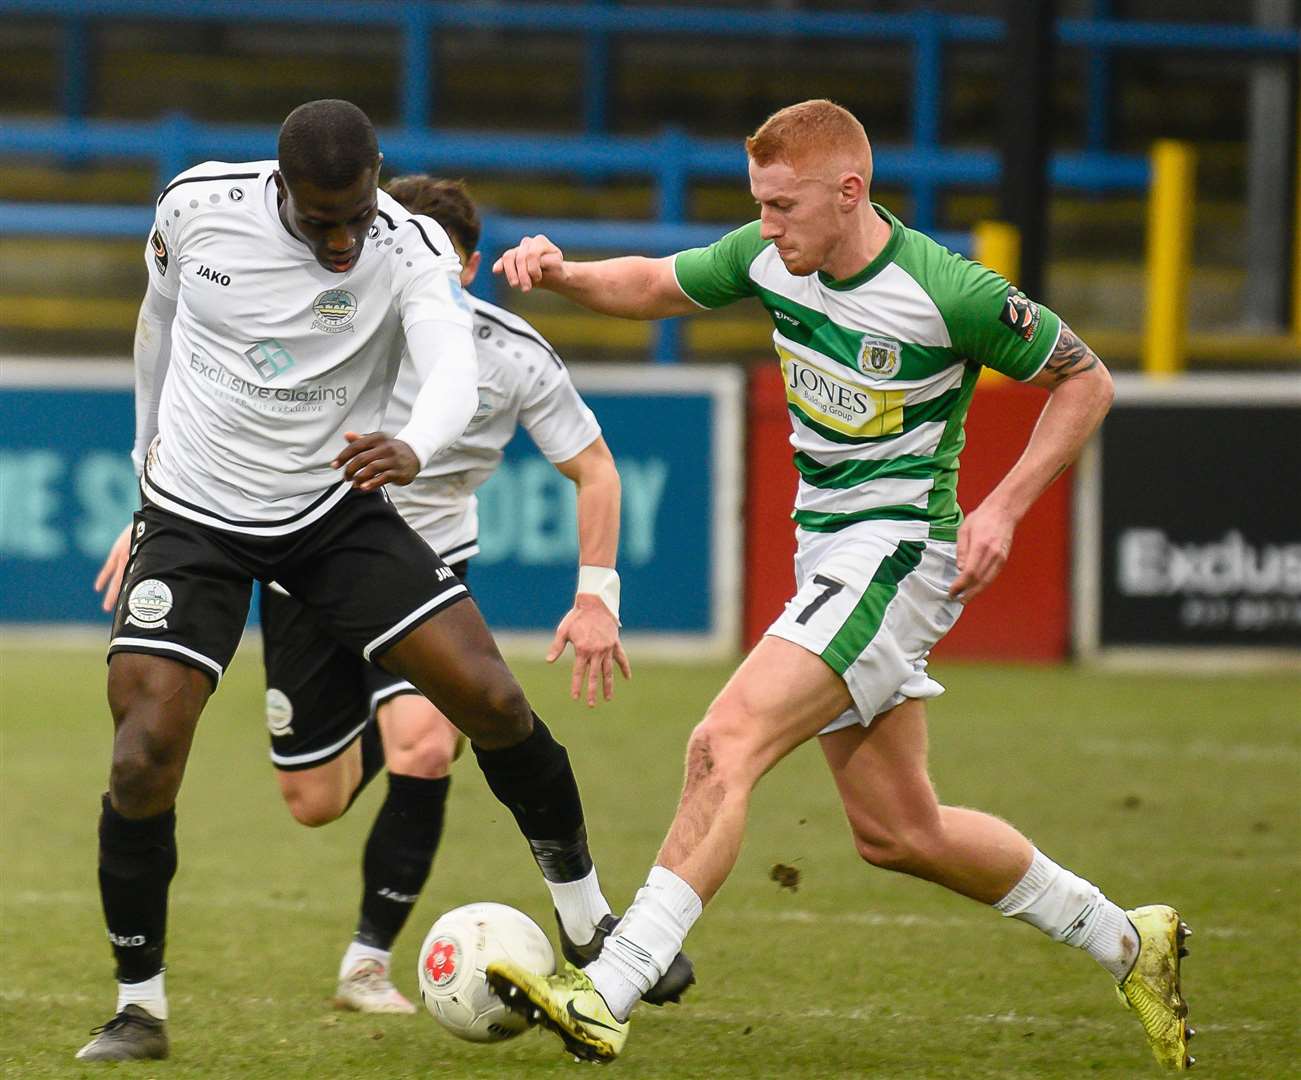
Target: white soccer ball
{"x": 456, "y": 953}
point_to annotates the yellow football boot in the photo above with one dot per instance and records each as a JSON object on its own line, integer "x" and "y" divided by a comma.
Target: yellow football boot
{"x": 566, "y": 1003}
{"x": 1152, "y": 987}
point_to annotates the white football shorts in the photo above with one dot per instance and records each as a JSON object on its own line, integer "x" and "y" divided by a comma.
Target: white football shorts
{"x": 871, "y": 605}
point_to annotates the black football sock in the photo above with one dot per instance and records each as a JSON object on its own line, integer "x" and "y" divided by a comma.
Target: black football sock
{"x": 372, "y": 758}
{"x": 399, "y": 853}
{"x": 534, "y": 781}
{"x": 137, "y": 860}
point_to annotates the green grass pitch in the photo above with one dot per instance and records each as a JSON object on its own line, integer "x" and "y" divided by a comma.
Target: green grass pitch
{"x": 1171, "y": 789}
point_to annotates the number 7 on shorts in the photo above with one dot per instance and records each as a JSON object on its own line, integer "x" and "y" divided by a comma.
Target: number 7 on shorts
{"x": 830, "y": 587}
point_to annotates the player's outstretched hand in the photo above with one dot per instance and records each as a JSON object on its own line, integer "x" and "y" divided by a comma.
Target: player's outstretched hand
{"x": 984, "y": 543}
{"x": 109, "y": 579}
{"x": 594, "y": 633}
{"x": 529, "y": 262}
{"x": 372, "y": 460}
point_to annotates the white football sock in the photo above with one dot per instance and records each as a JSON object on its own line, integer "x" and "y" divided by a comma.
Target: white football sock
{"x": 1069, "y": 909}
{"x": 581, "y": 906}
{"x": 649, "y": 936}
{"x": 149, "y": 995}
{"x": 356, "y": 951}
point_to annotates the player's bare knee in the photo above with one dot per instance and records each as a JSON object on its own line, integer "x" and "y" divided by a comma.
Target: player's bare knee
{"x": 428, "y": 755}
{"x": 878, "y": 850}
{"x": 146, "y": 771}
{"x": 503, "y": 711}
{"x": 312, "y": 810}
{"x": 315, "y": 797}
{"x": 717, "y": 750}
{"x": 905, "y": 850}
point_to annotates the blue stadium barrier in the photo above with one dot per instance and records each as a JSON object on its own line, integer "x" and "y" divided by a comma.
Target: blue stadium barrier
{"x": 671, "y": 159}
{"x": 175, "y": 142}
{"x": 597, "y": 20}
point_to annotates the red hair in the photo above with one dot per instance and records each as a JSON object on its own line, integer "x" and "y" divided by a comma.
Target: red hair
{"x": 818, "y": 130}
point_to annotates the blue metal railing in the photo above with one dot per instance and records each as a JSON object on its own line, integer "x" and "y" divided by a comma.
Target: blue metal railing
{"x": 671, "y": 160}
{"x": 598, "y": 20}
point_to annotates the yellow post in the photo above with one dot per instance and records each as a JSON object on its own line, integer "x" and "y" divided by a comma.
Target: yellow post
{"x": 1169, "y": 256}
{"x": 997, "y": 244}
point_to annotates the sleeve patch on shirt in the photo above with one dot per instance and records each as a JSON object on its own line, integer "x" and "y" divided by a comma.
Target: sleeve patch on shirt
{"x": 1020, "y": 314}
{"x": 159, "y": 246}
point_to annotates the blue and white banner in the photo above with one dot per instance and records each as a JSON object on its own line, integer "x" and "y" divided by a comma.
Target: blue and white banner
{"x": 67, "y": 488}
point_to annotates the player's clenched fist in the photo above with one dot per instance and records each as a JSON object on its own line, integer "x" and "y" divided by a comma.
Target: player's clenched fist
{"x": 529, "y": 262}
{"x": 372, "y": 460}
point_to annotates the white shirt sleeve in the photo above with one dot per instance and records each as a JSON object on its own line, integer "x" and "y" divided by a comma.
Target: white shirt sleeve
{"x": 152, "y": 352}
{"x": 439, "y": 330}
{"x": 558, "y": 420}
{"x": 442, "y": 355}
{"x": 426, "y": 279}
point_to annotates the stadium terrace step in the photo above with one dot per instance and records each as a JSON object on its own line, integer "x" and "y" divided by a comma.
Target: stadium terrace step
{"x": 93, "y": 184}
{"x": 70, "y": 325}
{"x": 245, "y": 71}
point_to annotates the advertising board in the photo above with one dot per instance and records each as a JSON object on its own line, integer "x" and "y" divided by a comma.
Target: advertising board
{"x": 1189, "y": 507}
{"x": 67, "y": 488}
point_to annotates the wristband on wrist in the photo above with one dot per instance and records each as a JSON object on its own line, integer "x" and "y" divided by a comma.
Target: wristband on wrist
{"x": 601, "y": 581}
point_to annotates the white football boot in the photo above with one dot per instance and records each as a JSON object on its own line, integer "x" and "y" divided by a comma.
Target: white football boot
{"x": 366, "y": 987}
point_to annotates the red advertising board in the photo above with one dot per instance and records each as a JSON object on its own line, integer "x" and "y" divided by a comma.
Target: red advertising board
{"x": 1024, "y": 615}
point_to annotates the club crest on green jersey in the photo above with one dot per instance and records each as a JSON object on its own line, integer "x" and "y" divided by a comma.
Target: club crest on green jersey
{"x": 879, "y": 357}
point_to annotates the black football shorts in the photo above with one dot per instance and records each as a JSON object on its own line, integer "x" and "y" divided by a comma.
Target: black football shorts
{"x": 361, "y": 569}
{"x": 320, "y": 694}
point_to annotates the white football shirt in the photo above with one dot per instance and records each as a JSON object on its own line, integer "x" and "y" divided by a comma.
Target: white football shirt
{"x": 274, "y": 357}
{"x": 522, "y": 382}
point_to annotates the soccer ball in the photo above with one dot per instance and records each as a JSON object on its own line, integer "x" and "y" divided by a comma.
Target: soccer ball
{"x": 456, "y": 953}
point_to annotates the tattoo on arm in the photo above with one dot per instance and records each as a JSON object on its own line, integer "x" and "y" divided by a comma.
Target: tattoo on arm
{"x": 1070, "y": 357}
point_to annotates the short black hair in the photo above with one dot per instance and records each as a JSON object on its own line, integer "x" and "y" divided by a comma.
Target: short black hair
{"x": 448, "y": 202}
{"x": 329, "y": 143}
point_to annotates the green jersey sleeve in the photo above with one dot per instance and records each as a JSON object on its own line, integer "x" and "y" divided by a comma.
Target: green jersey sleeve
{"x": 994, "y": 323}
{"x": 720, "y": 273}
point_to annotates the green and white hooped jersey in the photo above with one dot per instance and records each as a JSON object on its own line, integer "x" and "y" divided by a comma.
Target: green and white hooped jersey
{"x": 879, "y": 367}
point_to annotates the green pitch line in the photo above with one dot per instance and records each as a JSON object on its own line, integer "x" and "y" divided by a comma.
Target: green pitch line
{"x": 1160, "y": 789}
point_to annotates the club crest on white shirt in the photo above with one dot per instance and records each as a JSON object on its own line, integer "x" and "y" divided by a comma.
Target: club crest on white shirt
{"x": 148, "y": 605}
{"x": 335, "y": 309}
